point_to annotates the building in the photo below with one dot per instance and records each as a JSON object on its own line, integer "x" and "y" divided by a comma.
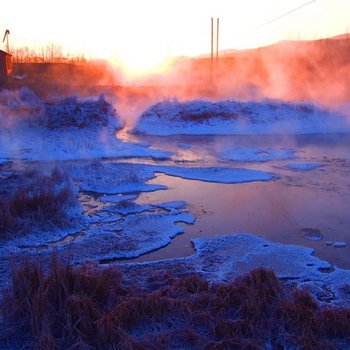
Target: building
{"x": 5, "y": 65}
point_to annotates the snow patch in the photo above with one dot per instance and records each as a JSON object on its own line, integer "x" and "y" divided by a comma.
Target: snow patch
{"x": 339, "y": 245}
{"x": 136, "y": 235}
{"x": 171, "y": 205}
{"x": 126, "y": 207}
{"x": 115, "y": 178}
{"x": 303, "y": 166}
{"x": 216, "y": 174}
{"x": 255, "y": 154}
{"x": 117, "y": 198}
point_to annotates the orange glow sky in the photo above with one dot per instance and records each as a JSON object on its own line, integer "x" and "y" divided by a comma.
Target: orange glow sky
{"x": 140, "y": 34}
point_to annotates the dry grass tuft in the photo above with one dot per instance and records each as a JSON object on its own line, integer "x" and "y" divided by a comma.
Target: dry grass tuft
{"x": 44, "y": 200}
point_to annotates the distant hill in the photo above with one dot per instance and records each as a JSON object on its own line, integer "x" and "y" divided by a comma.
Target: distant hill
{"x": 316, "y": 70}
{"x": 341, "y": 36}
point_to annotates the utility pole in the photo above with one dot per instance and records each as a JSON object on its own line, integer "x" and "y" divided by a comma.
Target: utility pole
{"x": 212, "y": 40}
{"x": 212, "y": 46}
{"x": 217, "y": 40}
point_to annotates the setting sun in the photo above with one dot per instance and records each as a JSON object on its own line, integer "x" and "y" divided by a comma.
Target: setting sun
{"x": 141, "y": 62}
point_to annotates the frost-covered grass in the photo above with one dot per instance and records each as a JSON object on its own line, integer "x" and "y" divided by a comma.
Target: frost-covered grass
{"x": 41, "y": 201}
{"x": 18, "y": 106}
{"x": 70, "y": 111}
{"x": 201, "y": 110}
{"x": 233, "y": 117}
{"x": 23, "y": 106}
{"x": 86, "y": 307}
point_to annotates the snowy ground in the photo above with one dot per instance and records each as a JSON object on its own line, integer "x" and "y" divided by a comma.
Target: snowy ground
{"x": 133, "y": 207}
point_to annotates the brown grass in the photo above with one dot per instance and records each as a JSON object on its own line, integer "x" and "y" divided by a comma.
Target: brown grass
{"x": 87, "y": 307}
{"x": 43, "y": 199}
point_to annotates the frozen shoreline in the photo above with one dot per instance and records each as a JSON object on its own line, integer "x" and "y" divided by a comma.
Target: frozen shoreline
{"x": 224, "y": 258}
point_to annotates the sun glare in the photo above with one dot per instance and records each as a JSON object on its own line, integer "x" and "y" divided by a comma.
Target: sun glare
{"x": 141, "y": 63}
{"x": 140, "y": 36}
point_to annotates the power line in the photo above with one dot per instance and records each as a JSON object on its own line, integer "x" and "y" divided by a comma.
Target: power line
{"x": 276, "y": 18}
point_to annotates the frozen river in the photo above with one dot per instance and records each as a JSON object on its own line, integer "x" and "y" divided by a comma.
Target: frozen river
{"x": 307, "y": 205}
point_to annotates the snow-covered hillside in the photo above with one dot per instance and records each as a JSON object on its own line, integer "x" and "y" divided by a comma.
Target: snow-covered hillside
{"x": 232, "y": 117}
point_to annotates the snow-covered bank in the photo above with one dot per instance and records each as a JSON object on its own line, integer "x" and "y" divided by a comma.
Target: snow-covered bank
{"x": 66, "y": 129}
{"x": 234, "y": 118}
{"x": 223, "y": 258}
{"x": 41, "y": 144}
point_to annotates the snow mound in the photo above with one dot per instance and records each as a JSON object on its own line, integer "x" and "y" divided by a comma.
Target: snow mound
{"x": 24, "y": 105}
{"x": 232, "y": 117}
{"x": 70, "y": 111}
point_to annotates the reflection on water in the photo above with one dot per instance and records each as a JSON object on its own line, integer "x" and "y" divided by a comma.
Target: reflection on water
{"x": 278, "y": 210}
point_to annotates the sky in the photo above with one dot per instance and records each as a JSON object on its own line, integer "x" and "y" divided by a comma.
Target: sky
{"x": 141, "y": 34}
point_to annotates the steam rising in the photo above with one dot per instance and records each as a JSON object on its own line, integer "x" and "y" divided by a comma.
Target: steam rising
{"x": 313, "y": 71}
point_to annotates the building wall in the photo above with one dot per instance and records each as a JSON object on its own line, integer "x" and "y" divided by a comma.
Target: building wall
{"x": 5, "y": 65}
